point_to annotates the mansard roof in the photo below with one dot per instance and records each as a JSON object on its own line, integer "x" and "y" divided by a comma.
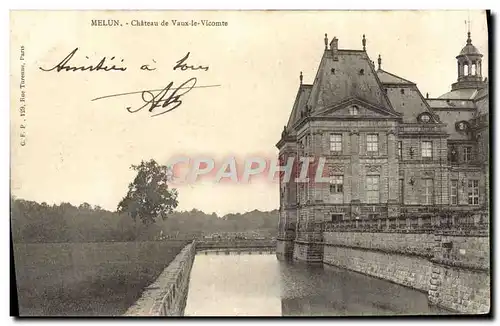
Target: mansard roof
{"x": 345, "y": 75}
{"x": 460, "y": 94}
{"x": 299, "y": 104}
{"x": 351, "y": 75}
{"x": 388, "y": 78}
{"x": 409, "y": 102}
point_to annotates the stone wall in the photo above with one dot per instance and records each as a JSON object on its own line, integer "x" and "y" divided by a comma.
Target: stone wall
{"x": 460, "y": 289}
{"x": 463, "y": 250}
{"x": 411, "y": 271}
{"x": 404, "y": 243}
{"x": 460, "y": 275}
{"x": 308, "y": 252}
{"x": 284, "y": 249}
{"x": 167, "y": 295}
{"x": 451, "y": 266}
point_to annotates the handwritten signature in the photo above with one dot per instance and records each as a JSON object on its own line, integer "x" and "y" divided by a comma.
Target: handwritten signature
{"x": 168, "y": 98}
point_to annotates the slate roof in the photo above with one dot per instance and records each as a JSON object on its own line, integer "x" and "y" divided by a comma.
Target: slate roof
{"x": 351, "y": 76}
{"x": 299, "y": 104}
{"x": 442, "y": 103}
{"x": 460, "y": 94}
{"x": 408, "y": 101}
{"x": 450, "y": 118}
{"x": 388, "y": 78}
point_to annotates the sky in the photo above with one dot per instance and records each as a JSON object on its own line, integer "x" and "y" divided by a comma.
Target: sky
{"x": 78, "y": 150}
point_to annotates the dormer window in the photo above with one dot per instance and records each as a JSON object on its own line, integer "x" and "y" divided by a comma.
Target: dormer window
{"x": 462, "y": 126}
{"x": 424, "y": 118}
{"x": 353, "y": 110}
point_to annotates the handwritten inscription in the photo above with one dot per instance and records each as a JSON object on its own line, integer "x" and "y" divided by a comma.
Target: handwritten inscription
{"x": 156, "y": 101}
{"x": 183, "y": 66}
{"x": 102, "y": 65}
{"x": 166, "y": 99}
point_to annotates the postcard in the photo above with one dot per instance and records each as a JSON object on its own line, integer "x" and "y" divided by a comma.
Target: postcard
{"x": 250, "y": 163}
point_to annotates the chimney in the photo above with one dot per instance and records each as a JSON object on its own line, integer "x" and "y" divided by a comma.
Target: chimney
{"x": 334, "y": 46}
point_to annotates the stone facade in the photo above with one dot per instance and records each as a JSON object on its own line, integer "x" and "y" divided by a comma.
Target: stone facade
{"x": 405, "y": 178}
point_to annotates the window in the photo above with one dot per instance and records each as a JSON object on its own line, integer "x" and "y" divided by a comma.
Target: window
{"x": 425, "y": 118}
{"x": 361, "y": 71}
{"x": 427, "y": 149}
{"x": 467, "y": 154}
{"x": 353, "y": 110}
{"x": 400, "y": 150}
{"x": 337, "y": 217}
{"x": 473, "y": 192}
{"x": 462, "y": 126}
{"x": 428, "y": 191}
{"x": 372, "y": 189}
{"x": 454, "y": 192}
{"x": 453, "y": 154}
{"x": 402, "y": 91}
{"x": 337, "y": 184}
{"x": 401, "y": 190}
{"x": 336, "y": 143}
{"x": 372, "y": 143}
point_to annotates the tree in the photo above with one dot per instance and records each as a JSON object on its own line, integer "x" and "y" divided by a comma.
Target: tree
{"x": 85, "y": 206}
{"x": 148, "y": 195}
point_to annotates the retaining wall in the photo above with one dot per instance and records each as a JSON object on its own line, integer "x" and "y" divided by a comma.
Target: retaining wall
{"x": 452, "y": 268}
{"x": 167, "y": 295}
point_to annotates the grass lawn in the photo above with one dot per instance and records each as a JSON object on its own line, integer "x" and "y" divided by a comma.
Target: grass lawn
{"x": 87, "y": 279}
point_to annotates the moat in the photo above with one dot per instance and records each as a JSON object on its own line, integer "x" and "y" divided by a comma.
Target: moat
{"x": 261, "y": 285}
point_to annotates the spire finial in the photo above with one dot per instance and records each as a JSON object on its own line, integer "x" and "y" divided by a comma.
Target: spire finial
{"x": 301, "y": 77}
{"x": 326, "y": 41}
{"x": 364, "y": 43}
{"x": 427, "y": 95}
{"x": 469, "y": 41}
{"x": 379, "y": 62}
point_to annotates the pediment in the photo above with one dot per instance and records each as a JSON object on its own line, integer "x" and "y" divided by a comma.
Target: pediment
{"x": 356, "y": 108}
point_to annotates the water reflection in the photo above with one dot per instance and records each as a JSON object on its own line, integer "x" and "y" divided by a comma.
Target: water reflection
{"x": 260, "y": 285}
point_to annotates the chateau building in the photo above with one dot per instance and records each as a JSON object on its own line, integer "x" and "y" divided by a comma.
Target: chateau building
{"x": 394, "y": 158}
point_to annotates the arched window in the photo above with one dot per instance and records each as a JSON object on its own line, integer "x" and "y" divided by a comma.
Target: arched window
{"x": 466, "y": 69}
{"x": 473, "y": 70}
